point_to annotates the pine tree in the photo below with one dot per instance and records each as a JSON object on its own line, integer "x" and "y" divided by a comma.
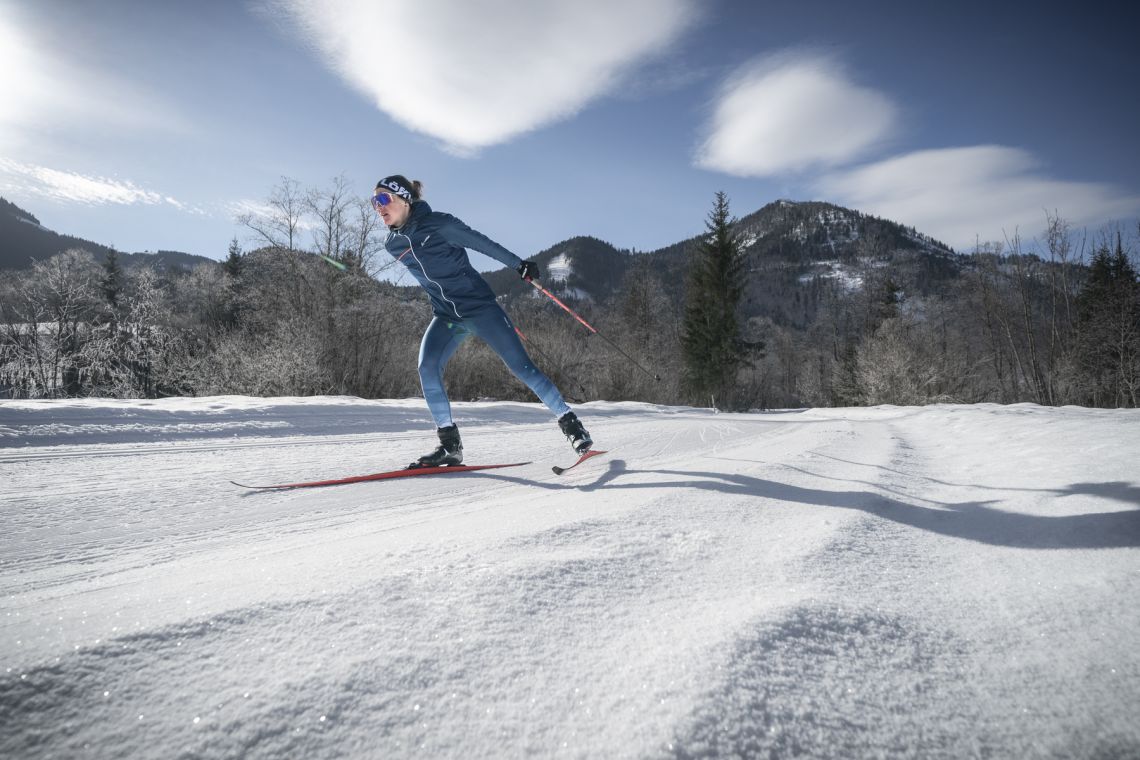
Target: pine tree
{"x": 712, "y": 346}
{"x": 885, "y": 295}
{"x": 233, "y": 296}
{"x": 1108, "y": 311}
{"x": 111, "y": 283}
{"x": 110, "y": 336}
{"x": 233, "y": 259}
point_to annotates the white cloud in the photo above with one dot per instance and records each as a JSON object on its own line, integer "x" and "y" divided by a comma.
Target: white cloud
{"x": 28, "y": 179}
{"x": 477, "y": 73}
{"x": 961, "y": 195}
{"x": 792, "y": 112}
{"x": 248, "y": 207}
{"x": 265, "y": 212}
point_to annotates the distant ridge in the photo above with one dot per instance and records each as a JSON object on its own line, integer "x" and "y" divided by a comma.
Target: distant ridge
{"x": 796, "y": 250}
{"x": 24, "y": 240}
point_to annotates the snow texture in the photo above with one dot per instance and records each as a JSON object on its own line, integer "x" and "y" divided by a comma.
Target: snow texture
{"x": 938, "y": 582}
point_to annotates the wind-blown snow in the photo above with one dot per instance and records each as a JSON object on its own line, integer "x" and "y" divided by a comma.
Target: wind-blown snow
{"x": 948, "y": 581}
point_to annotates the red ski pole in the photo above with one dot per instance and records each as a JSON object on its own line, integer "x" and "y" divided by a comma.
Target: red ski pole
{"x": 592, "y": 329}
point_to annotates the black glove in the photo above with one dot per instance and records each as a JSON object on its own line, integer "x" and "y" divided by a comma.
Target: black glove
{"x": 528, "y": 270}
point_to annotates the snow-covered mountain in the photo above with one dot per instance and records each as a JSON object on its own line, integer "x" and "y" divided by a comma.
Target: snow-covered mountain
{"x": 937, "y": 582}
{"x": 584, "y": 268}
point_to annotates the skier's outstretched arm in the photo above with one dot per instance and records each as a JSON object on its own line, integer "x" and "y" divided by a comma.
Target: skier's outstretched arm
{"x": 455, "y": 231}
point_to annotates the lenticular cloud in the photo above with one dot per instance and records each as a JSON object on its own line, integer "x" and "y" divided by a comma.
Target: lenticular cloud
{"x": 792, "y": 112}
{"x": 975, "y": 193}
{"x": 478, "y": 73}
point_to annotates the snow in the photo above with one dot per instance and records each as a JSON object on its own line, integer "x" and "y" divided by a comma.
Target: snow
{"x": 559, "y": 268}
{"x": 938, "y": 582}
{"x": 848, "y": 278}
{"x": 32, "y": 222}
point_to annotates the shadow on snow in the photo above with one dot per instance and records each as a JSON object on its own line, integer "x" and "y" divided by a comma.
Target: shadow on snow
{"x": 980, "y": 521}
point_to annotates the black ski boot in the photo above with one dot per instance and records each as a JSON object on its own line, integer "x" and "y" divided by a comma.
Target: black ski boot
{"x": 572, "y": 428}
{"x": 448, "y": 453}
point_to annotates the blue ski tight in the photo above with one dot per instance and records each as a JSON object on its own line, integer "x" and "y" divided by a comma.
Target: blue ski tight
{"x": 443, "y": 337}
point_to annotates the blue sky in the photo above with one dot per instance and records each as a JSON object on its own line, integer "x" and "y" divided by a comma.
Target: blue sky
{"x": 151, "y": 125}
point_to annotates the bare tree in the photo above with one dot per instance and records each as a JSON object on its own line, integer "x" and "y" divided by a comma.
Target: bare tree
{"x": 366, "y": 238}
{"x": 907, "y": 362}
{"x": 48, "y": 322}
{"x": 1025, "y": 281}
{"x": 332, "y": 233}
{"x": 278, "y": 228}
{"x": 1063, "y": 289}
{"x": 988, "y": 290}
{"x": 141, "y": 354}
{"x": 650, "y": 323}
{"x": 286, "y": 359}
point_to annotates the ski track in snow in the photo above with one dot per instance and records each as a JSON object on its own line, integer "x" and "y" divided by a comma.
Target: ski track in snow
{"x": 950, "y": 581}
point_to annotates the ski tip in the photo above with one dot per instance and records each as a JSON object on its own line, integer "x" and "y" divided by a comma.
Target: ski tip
{"x": 586, "y": 455}
{"x": 247, "y": 486}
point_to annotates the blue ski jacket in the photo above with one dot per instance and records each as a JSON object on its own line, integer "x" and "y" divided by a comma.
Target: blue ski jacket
{"x": 432, "y": 245}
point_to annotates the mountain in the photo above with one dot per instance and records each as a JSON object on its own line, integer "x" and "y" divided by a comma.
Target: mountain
{"x": 799, "y": 250}
{"x": 795, "y": 250}
{"x": 582, "y": 267}
{"x": 24, "y": 240}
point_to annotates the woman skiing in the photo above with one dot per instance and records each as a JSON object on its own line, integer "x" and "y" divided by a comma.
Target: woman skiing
{"x": 432, "y": 245}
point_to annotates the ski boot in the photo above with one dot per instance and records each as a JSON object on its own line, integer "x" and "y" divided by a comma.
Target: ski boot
{"x": 572, "y": 428}
{"x": 448, "y": 453}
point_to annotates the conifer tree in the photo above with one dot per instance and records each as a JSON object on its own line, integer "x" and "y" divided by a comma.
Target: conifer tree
{"x": 1108, "y": 309}
{"x": 712, "y": 346}
{"x": 111, "y": 283}
{"x": 233, "y": 295}
{"x": 233, "y": 259}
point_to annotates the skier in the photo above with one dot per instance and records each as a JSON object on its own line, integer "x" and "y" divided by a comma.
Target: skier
{"x": 432, "y": 246}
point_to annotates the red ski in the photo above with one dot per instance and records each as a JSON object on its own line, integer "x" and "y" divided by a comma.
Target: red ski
{"x": 589, "y": 454}
{"x": 405, "y": 473}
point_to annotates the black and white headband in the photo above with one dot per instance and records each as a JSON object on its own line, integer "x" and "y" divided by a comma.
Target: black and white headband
{"x": 392, "y": 185}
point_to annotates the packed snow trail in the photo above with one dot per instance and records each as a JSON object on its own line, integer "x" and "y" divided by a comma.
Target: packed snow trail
{"x": 950, "y": 581}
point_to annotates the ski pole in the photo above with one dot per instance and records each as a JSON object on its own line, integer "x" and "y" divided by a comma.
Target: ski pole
{"x": 592, "y": 329}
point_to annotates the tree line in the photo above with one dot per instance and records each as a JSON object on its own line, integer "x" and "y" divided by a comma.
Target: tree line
{"x": 309, "y": 310}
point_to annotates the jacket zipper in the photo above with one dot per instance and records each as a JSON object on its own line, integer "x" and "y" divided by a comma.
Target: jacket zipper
{"x": 423, "y": 269}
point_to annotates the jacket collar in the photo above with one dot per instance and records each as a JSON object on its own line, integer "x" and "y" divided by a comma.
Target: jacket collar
{"x": 420, "y": 210}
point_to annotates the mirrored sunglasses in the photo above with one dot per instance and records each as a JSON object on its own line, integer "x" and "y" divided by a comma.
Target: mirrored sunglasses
{"x": 382, "y": 199}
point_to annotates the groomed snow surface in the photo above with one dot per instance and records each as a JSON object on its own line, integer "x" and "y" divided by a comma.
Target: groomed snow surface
{"x": 939, "y": 582}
